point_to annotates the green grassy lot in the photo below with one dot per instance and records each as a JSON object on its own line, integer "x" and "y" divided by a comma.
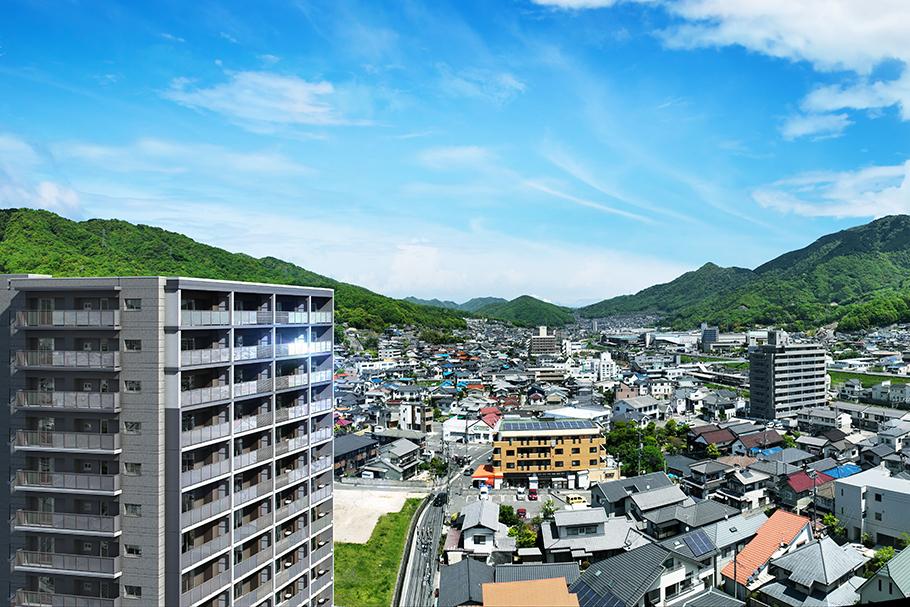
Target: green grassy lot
{"x": 365, "y": 574}
{"x": 840, "y": 377}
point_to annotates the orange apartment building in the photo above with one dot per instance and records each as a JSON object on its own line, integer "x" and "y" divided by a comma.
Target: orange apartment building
{"x": 548, "y": 453}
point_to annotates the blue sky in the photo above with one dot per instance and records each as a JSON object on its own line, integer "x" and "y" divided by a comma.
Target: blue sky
{"x": 570, "y": 149}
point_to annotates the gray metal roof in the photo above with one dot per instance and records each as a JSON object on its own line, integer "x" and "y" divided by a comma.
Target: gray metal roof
{"x": 694, "y": 515}
{"x": 482, "y": 513}
{"x": 583, "y": 516}
{"x": 713, "y": 598}
{"x": 349, "y": 443}
{"x": 615, "y": 491}
{"x": 537, "y": 571}
{"x": 625, "y": 577}
{"x": 736, "y": 529}
{"x": 819, "y": 562}
{"x": 898, "y": 571}
{"x": 658, "y": 498}
{"x": 462, "y": 582}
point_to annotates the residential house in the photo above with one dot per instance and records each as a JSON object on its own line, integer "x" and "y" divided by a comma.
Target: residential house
{"x": 460, "y": 584}
{"x": 643, "y": 406}
{"x": 615, "y": 497}
{"x": 551, "y": 592}
{"x": 745, "y": 489}
{"x": 798, "y": 492}
{"x": 751, "y": 443}
{"x": 817, "y": 573}
{"x": 890, "y": 583}
{"x": 536, "y": 571}
{"x": 730, "y": 536}
{"x": 397, "y": 461}
{"x": 705, "y": 478}
{"x": 818, "y": 419}
{"x": 587, "y": 534}
{"x": 352, "y": 452}
{"x": 873, "y": 503}
{"x": 482, "y": 535}
{"x": 721, "y": 438}
{"x": 647, "y": 501}
{"x": 675, "y": 519}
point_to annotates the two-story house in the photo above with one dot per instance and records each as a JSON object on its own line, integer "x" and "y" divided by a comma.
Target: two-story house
{"x": 587, "y": 534}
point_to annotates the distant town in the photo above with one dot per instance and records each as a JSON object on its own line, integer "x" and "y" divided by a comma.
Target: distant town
{"x": 607, "y": 464}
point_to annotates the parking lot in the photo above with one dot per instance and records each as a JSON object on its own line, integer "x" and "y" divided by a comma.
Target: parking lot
{"x": 457, "y": 500}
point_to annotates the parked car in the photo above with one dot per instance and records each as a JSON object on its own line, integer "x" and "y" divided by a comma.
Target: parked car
{"x": 532, "y": 495}
{"x": 522, "y": 513}
{"x": 573, "y": 499}
{"x": 468, "y": 472}
{"x": 520, "y": 494}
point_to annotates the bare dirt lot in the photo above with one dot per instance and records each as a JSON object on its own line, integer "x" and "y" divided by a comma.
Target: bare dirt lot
{"x": 357, "y": 510}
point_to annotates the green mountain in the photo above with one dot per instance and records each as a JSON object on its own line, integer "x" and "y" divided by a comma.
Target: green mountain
{"x": 472, "y": 305}
{"x": 527, "y": 311}
{"x": 859, "y": 278}
{"x": 44, "y": 243}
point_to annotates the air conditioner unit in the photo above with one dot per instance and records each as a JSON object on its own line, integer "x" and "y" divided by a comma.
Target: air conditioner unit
{"x": 322, "y": 514}
{"x": 321, "y": 572}
{"x": 288, "y": 500}
{"x": 321, "y": 485}
{"x": 322, "y": 600}
{"x": 288, "y": 594}
{"x": 322, "y": 543}
{"x": 288, "y": 531}
{"x": 288, "y": 564}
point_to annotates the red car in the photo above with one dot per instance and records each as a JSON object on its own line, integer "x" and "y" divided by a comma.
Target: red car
{"x": 522, "y": 513}
{"x": 532, "y": 495}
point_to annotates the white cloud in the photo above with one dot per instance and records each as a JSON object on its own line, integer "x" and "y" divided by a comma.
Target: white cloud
{"x": 870, "y": 192}
{"x": 575, "y": 4}
{"x": 862, "y": 96}
{"x": 172, "y": 37}
{"x": 264, "y": 100}
{"x": 479, "y": 83}
{"x": 819, "y": 125}
{"x": 21, "y": 182}
{"x": 584, "y": 202}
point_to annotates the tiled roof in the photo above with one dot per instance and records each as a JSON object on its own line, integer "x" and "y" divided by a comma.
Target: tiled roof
{"x": 760, "y": 439}
{"x": 801, "y": 481}
{"x": 551, "y": 592}
{"x": 461, "y": 583}
{"x": 537, "y": 571}
{"x": 782, "y": 527}
{"x": 820, "y": 562}
{"x": 717, "y": 437}
{"x": 626, "y": 576}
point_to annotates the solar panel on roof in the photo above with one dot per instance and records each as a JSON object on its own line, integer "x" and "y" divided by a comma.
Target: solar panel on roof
{"x": 587, "y": 597}
{"x": 698, "y": 543}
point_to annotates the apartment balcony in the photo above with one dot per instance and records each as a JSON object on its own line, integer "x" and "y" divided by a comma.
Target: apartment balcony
{"x": 253, "y": 562}
{"x": 320, "y": 318}
{"x": 37, "y": 400}
{"x": 291, "y": 318}
{"x": 291, "y": 444}
{"x": 291, "y": 476}
{"x": 320, "y": 464}
{"x": 321, "y": 552}
{"x": 252, "y": 317}
{"x": 320, "y": 494}
{"x": 323, "y": 404}
{"x": 321, "y": 347}
{"x": 296, "y": 348}
{"x": 205, "y": 473}
{"x": 206, "y": 511}
{"x": 252, "y": 352}
{"x": 205, "y": 356}
{"x": 320, "y": 376}
{"x": 205, "y": 318}
{"x": 44, "y": 563}
{"x": 67, "y": 359}
{"x": 203, "y": 552}
{"x": 321, "y": 523}
{"x": 204, "y": 434}
{"x": 31, "y": 598}
{"x": 318, "y": 436}
{"x": 250, "y": 458}
{"x": 293, "y": 572}
{"x": 251, "y": 422}
{"x": 71, "y": 442}
{"x": 251, "y": 493}
{"x": 284, "y": 414}
{"x": 248, "y": 530}
{"x": 198, "y": 396}
{"x": 67, "y": 482}
{"x": 255, "y": 596}
{"x": 248, "y": 388}
{"x": 283, "y": 382}
{"x": 296, "y": 506}
{"x": 290, "y": 540}
{"x": 63, "y": 522}
{"x": 68, "y": 318}
{"x": 204, "y": 590}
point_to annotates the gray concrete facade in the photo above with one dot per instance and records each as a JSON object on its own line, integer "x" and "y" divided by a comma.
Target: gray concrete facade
{"x": 785, "y": 377}
{"x": 171, "y": 442}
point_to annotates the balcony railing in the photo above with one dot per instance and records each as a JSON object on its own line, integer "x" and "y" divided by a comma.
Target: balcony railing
{"x": 289, "y": 317}
{"x": 63, "y": 521}
{"x": 210, "y": 394}
{"x": 242, "y": 460}
{"x": 320, "y": 494}
{"x": 67, "y": 441}
{"x": 251, "y": 422}
{"x": 288, "y": 541}
{"x": 204, "y": 551}
{"x": 252, "y": 562}
{"x": 204, "y": 434}
{"x": 205, "y": 589}
{"x": 205, "y": 511}
{"x": 255, "y": 596}
{"x": 83, "y": 401}
{"x": 252, "y": 317}
{"x": 204, "y": 473}
{"x": 293, "y": 412}
{"x": 289, "y": 573}
{"x": 257, "y": 386}
{"x": 68, "y": 318}
{"x": 30, "y": 598}
{"x": 321, "y": 553}
{"x": 74, "y": 564}
{"x": 286, "y": 446}
{"x": 251, "y": 528}
{"x": 321, "y": 523}
{"x": 321, "y": 346}
{"x": 205, "y": 356}
{"x": 67, "y": 481}
{"x": 67, "y": 359}
{"x": 291, "y": 381}
{"x": 204, "y": 318}
{"x": 298, "y": 473}
{"x": 323, "y": 404}
{"x": 252, "y": 352}
{"x": 320, "y": 435}
{"x": 320, "y": 317}
{"x": 297, "y": 505}
{"x": 319, "y": 376}
{"x": 250, "y": 493}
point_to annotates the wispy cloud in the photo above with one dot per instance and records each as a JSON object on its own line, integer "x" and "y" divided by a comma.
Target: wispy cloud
{"x": 869, "y": 192}
{"x": 574, "y": 5}
{"x": 816, "y": 125}
{"x": 172, "y": 37}
{"x": 22, "y": 183}
{"x": 479, "y": 83}
{"x": 457, "y": 157}
{"x": 264, "y": 100}
{"x": 584, "y": 202}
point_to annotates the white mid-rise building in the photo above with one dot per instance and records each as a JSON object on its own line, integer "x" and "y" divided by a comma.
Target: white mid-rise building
{"x": 873, "y": 503}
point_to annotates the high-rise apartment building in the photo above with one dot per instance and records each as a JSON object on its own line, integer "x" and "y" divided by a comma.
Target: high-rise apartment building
{"x": 171, "y": 442}
{"x": 544, "y": 342}
{"x": 785, "y": 377}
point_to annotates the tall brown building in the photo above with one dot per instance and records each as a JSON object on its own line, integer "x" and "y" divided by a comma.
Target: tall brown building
{"x": 556, "y": 453}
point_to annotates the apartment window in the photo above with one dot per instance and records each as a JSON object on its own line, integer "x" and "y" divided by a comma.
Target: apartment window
{"x": 132, "y": 592}
{"x": 132, "y": 304}
{"x": 132, "y": 345}
{"x": 480, "y": 539}
{"x": 878, "y": 497}
{"x": 576, "y": 462}
{"x": 592, "y": 462}
{"x": 558, "y": 451}
{"x": 575, "y": 450}
{"x": 510, "y": 452}
{"x": 132, "y": 427}
{"x": 132, "y": 509}
{"x": 510, "y": 465}
{"x": 132, "y": 385}
{"x": 132, "y": 550}
{"x": 558, "y": 464}
{"x": 878, "y": 516}
{"x": 132, "y": 468}
{"x": 592, "y": 450}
